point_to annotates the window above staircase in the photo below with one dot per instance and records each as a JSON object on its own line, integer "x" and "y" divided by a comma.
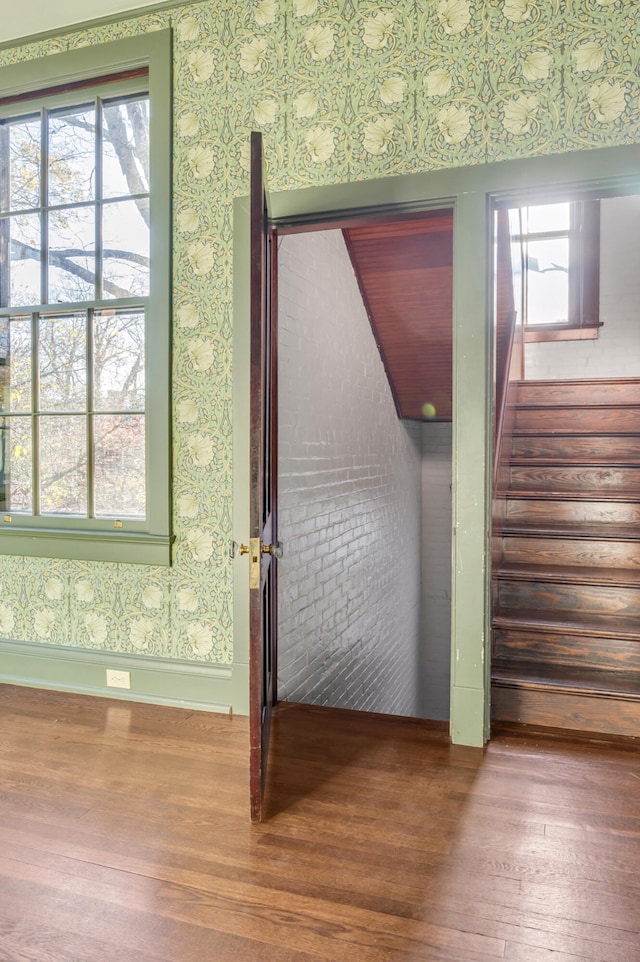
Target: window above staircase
{"x": 559, "y": 253}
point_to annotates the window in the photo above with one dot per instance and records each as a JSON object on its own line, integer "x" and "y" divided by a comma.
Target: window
{"x": 560, "y": 256}
{"x": 84, "y": 240}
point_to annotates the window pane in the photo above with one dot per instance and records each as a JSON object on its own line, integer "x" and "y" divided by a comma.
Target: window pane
{"x": 15, "y": 364}
{"x": 118, "y": 361}
{"x": 71, "y": 255}
{"x": 119, "y": 466}
{"x": 126, "y": 249}
{"x": 547, "y": 217}
{"x": 125, "y": 153}
{"x": 63, "y": 363}
{"x": 20, "y": 143}
{"x": 20, "y": 260}
{"x": 72, "y": 155}
{"x": 548, "y": 281}
{"x": 63, "y": 465}
{"x": 16, "y": 448}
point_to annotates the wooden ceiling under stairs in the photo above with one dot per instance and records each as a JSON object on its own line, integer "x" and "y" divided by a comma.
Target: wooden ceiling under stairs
{"x": 404, "y": 268}
{"x": 566, "y": 589}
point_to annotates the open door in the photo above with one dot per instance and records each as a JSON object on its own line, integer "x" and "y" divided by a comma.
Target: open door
{"x": 263, "y": 545}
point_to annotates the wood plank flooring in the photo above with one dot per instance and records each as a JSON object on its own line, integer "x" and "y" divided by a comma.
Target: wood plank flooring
{"x": 125, "y": 835}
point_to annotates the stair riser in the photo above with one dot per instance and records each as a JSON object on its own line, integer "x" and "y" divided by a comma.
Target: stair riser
{"x": 578, "y": 420}
{"x": 596, "y": 512}
{"x": 580, "y": 552}
{"x": 601, "y": 391}
{"x": 581, "y": 599}
{"x": 559, "y": 448}
{"x": 511, "y": 646}
{"x": 601, "y": 480}
{"x": 586, "y": 713}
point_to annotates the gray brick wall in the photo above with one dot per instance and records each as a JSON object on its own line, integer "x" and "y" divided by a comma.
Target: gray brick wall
{"x": 349, "y": 497}
{"x": 616, "y": 351}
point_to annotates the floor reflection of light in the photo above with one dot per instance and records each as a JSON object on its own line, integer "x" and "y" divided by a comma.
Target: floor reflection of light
{"x": 118, "y": 719}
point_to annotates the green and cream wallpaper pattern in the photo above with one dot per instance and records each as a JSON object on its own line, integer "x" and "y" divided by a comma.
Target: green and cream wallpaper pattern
{"x": 343, "y": 90}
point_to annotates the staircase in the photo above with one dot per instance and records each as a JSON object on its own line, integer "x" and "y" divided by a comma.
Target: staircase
{"x": 566, "y": 589}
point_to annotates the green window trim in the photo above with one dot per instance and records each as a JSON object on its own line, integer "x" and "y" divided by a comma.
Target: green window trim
{"x": 140, "y": 541}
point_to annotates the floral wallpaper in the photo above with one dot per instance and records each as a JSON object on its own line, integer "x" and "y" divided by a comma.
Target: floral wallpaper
{"x": 343, "y": 90}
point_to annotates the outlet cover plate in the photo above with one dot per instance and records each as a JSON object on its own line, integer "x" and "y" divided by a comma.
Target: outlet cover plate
{"x": 118, "y": 679}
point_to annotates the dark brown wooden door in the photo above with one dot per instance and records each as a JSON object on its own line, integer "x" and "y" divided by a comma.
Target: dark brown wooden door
{"x": 263, "y": 546}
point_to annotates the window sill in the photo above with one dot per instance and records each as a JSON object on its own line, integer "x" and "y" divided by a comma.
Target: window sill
{"x": 562, "y": 334}
{"x": 127, "y": 547}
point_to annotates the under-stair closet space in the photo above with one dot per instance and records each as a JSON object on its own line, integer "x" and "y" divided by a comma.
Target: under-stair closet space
{"x": 566, "y": 529}
{"x": 364, "y": 500}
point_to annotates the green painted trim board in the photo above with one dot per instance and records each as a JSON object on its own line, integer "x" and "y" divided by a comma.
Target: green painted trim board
{"x": 156, "y": 681}
{"x": 117, "y": 17}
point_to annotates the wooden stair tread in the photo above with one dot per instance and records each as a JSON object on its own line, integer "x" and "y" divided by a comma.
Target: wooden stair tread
{"x": 550, "y": 405}
{"x": 548, "y": 495}
{"x": 551, "y": 432}
{"x": 605, "y": 391}
{"x": 568, "y": 622}
{"x": 618, "y": 684}
{"x": 570, "y": 574}
{"x": 545, "y": 382}
{"x": 599, "y": 531}
{"x": 575, "y": 461}
{"x": 566, "y": 431}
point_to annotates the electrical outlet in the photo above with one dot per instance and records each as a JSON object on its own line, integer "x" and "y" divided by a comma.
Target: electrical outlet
{"x": 118, "y": 679}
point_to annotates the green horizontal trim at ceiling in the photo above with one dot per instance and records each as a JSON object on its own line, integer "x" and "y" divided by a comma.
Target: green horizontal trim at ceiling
{"x": 154, "y": 681}
{"x": 116, "y": 17}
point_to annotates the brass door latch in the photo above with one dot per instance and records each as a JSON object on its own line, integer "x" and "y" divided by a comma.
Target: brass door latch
{"x": 255, "y": 550}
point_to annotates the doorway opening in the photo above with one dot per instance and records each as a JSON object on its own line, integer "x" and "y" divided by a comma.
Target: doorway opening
{"x": 566, "y": 519}
{"x": 364, "y": 464}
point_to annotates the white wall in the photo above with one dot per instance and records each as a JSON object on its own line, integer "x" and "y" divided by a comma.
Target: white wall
{"x": 436, "y": 569}
{"x": 616, "y": 351}
{"x": 349, "y": 497}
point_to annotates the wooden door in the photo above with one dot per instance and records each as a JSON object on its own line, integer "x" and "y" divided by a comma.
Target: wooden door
{"x": 263, "y": 545}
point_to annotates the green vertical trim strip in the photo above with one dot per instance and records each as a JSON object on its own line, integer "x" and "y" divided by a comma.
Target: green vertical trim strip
{"x": 468, "y": 712}
{"x": 241, "y": 472}
{"x": 35, "y": 413}
{"x": 158, "y": 320}
{"x": 44, "y": 200}
{"x": 90, "y": 407}
{"x": 99, "y": 206}
{"x": 471, "y": 455}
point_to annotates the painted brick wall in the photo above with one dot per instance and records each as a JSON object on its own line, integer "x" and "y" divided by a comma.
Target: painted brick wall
{"x": 616, "y": 352}
{"x": 349, "y": 497}
{"x": 436, "y": 570}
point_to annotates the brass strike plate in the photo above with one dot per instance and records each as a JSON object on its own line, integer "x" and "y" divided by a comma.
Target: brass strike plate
{"x": 254, "y": 562}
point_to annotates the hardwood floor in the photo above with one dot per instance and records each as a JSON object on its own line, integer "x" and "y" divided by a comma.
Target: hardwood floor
{"x": 125, "y": 835}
